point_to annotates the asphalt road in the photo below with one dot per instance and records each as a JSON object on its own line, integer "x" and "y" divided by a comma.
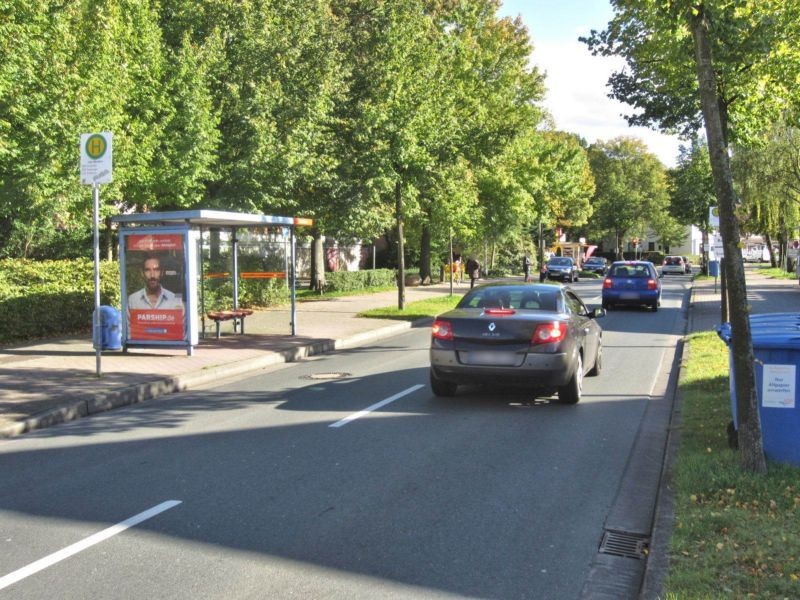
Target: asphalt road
{"x": 293, "y": 483}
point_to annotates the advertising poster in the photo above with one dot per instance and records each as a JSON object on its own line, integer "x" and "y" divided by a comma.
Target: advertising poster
{"x": 155, "y": 284}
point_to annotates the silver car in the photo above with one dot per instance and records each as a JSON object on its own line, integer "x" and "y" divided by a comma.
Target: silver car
{"x": 539, "y": 336}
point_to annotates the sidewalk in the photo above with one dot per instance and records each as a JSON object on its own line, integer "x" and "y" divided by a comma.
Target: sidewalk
{"x": 49, "y": 382}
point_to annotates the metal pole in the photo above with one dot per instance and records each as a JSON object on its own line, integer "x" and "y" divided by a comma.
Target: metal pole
{"x": 97, "y": 332}
{"x": 451, "y": 261}
{"x": 235, "y": 243}
{"x": 373, "y": 256}
{"x": 294, "y": 282}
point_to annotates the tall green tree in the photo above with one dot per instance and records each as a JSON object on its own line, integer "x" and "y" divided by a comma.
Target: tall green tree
{"x": 691, "y": 189}
{"x": 631, "y": 188}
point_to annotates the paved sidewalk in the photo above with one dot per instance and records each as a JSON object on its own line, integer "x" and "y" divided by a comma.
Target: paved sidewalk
{"x": 764, "y": 295}
{"x": 53, "y": 381}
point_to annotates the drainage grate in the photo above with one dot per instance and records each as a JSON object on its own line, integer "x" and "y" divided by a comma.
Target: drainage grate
{"x": 325, "y": 376}
{"x": 624, "y": 543}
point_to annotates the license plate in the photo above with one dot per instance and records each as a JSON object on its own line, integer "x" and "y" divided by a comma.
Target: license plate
{"x": 628, "y": 296}
{"x": 508, "y": 359}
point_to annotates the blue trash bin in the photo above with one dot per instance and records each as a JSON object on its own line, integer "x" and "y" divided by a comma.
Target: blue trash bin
{"x": 108, "y": 336}
{"x": 776, "y": 347}
{"x": 713, "y": 268}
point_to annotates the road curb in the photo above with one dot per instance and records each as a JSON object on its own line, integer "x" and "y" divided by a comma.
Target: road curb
{"x": 105, "y": 401}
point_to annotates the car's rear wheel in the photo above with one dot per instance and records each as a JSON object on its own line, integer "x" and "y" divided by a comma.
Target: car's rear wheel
{"x": 607, "y": 305}
{"x": 571, "y": 393}
{"x": 654, "y": 306}
{"x": 598, "y": 363}
{"x": 443, "y": 389}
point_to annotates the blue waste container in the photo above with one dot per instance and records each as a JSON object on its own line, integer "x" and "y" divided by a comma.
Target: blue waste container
{"x": 713, "y": 268}
{"x": 108, "y": 334}
{"x": 776, "y": 348}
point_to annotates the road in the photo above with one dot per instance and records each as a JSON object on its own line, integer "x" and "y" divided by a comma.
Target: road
{"x": 293, "y": 483}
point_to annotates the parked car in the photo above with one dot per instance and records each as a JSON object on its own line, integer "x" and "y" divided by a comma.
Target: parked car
{"x": 634, "y": 283}
{"x": 539, "y": 336}
{"x": 563, "y": 268}
{"x": 673, "y": 265}
{"x": 596, "y": 264}
{"x": 687, "y": 265}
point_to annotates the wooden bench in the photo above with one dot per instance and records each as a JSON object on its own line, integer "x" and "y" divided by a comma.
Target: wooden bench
{"x": 238, "y": 316}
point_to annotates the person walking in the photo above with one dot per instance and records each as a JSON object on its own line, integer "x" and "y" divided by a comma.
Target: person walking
{"x": 542, "y": 272}
{"x": 526, "y": 268}
{"x": 474, "y": 270}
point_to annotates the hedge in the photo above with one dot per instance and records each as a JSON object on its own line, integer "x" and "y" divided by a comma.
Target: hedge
{"x": 348, "y": 281}
{"x": 52, "y": 298}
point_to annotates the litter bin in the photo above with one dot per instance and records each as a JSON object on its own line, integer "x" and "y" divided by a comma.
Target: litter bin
{"x": 776, "y": 347}
{"x": 713, "y": 268}
{"x": 108, "y": 335}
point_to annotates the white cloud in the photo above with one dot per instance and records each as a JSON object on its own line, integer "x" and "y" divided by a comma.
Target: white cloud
{"x": 577, "y": 97}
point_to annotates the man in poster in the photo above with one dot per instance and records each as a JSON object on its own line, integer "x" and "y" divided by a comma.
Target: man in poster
{"x": 153, "y": 295}
{"x": 154, "y": 312}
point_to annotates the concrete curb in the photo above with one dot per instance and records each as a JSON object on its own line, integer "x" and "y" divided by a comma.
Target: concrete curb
{"x": 105, "y": 401}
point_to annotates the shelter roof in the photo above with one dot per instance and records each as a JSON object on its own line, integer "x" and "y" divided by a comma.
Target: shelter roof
{"x": 208, "y": 218}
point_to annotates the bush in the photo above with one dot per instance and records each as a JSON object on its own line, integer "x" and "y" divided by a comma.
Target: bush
{"x": 348, "y": 281}
{"x": 52, "y": 297}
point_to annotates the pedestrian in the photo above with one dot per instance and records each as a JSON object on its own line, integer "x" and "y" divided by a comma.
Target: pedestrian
{"x": 526, "y": 268}
{"x": 474, "y": 270}
{"x": 458, "y": 269}
{"x": 542, "y": 272}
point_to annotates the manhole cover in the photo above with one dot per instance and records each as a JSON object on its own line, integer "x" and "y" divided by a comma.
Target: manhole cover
{"x": 326, "y": 376}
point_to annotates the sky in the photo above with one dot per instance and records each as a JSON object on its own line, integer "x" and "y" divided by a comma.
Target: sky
{"x": 575, "y": 80}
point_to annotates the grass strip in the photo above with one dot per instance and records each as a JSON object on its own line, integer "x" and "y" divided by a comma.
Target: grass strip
{"x": 736, "y": 534}
{"x": 414, "y": 310}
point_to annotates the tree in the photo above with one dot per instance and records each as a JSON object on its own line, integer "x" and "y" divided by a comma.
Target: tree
{"x": 630, "y": 189}
{"x": 691, "y": 189}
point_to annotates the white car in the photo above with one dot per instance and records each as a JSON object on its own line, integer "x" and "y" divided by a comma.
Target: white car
{"x": 673, "y": 265}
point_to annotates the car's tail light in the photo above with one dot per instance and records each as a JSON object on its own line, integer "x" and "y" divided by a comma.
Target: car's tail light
{"x": 547, "y": 333}
{"x": 651, "y": 284}
{"x": 500, "y": 312}
{"x": 607, "y": 283}
{"x": 442, "y": 330}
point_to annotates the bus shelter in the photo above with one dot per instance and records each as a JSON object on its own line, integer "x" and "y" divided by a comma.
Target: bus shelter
{"x": 163, "y": 277}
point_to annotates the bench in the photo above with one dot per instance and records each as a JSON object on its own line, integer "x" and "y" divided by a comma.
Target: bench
{"x": 218, "y": 316}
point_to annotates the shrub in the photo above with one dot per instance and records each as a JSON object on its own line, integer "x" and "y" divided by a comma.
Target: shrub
{"x": 347, "y": 281}
{"x": 52, "y": 297}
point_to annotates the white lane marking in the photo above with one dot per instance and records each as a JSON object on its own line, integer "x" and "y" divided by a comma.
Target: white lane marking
{"x": 377, "y": 405}
{"x": 52, "y": 559}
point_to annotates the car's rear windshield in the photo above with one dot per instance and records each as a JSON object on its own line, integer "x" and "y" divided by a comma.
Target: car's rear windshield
{"x": 560, "y": 262}
{"x": 594, "y": 260}
{"x": 629, "y": 271}
{"x": 511, "y": 297}
{"x": 674, "y": 260}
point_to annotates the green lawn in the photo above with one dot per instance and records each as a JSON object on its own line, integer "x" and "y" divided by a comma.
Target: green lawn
{"x": 414, "y": 310}
{"x": 776, "y": 273}
{"x": 736, "y": 534}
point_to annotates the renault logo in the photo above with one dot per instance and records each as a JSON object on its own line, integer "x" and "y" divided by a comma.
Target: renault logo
{"x": 492, "y": 326}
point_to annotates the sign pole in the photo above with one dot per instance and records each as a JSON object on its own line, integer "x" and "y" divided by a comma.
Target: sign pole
{"x": 97, "y": 324}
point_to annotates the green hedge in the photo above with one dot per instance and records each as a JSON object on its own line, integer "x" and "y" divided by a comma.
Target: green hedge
{"x": 348, "y": 281}
{"x": 52, "y": 298}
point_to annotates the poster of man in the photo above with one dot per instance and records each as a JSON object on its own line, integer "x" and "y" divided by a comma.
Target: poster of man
{"x": 155, "y": 309}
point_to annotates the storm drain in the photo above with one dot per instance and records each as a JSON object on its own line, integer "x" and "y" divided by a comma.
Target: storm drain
{"x": 625, "y": 544}
{"x": 325, "y": 376}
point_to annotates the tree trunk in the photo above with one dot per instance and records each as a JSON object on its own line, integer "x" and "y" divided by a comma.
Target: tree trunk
{"x": 108, "y": 239}
{"x": 401, "y": 264}
{"x": 772, "y": 262}
{"x": 317, "y": 263}
{"x": 750, "y": 442}
{"x": 425, "y": 252}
